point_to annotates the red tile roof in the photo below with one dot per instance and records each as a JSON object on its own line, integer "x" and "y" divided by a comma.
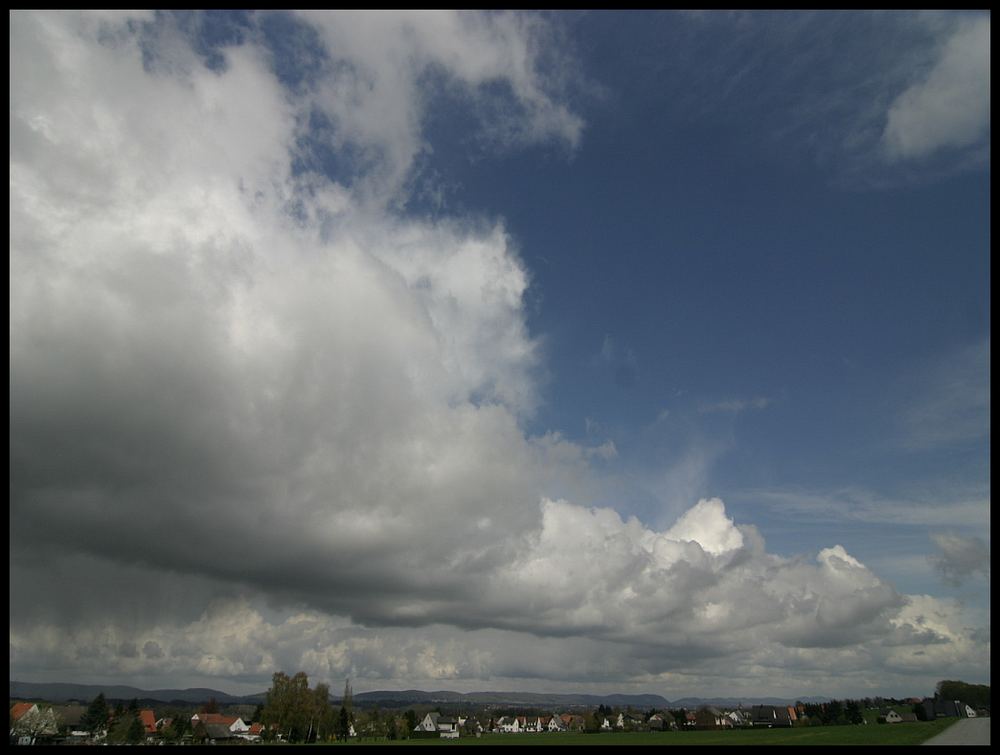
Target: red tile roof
{"x": 216, "y": 718}
{"x": 20, "y": 709}
{"x": 148, "y": 720}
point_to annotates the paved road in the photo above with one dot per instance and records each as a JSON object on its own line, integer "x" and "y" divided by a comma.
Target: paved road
{"x": 968, "y": 731}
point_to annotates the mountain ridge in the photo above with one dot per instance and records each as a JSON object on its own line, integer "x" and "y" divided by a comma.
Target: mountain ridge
{"x": 65, "y": 691}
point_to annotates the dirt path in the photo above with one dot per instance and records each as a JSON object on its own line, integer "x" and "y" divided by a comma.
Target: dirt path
{"x": 968, "y": 731}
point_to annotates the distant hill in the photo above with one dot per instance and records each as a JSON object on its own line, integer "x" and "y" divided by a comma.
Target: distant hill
{"x": 525, "y": 699}
{"x": 397, "y": 698}
{"x": 733, "y": 702}
{"x": 62, "y": 692}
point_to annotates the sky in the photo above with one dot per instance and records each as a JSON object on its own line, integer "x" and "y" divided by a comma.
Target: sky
{"x": 578, "y": 351}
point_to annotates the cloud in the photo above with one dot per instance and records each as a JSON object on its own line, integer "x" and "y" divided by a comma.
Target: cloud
{"x": 949, "y": 107}
{"x": 960, "y": 557}
{"x": 261, "y": 419}
{"x": 622, "y": 360}
{"x": 947, "y": 402}
{"x": 736, "y": 406}
{"x": 653, "y": 609}
{"x": 857, "y": 504}
{"x": 875, "y": 99}
{"x": 375, "y": 84}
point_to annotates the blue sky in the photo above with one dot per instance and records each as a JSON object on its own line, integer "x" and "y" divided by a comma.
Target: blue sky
{"x": 710, "y": 280}
{"x": 419, "y": 303}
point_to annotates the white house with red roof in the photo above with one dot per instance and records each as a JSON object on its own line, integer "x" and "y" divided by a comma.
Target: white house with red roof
{"x": 235, "y": 724}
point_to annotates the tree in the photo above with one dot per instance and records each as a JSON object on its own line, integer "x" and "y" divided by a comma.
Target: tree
{"x": 212, "y": 706}
{"x": 127, "y": 729}
{"x": 976, "y": 695}
{"x": 595, "y": 720}
{"x": 290, "y": 705}
{"x": 348, "y": 701}
{"x": 321, "y": 715}
{"x": 180, "y": 725}
{"x": 345, "y": 723}
{"x": 680, "y": 716}
{"x": 853, "y": 712}
{"x": 95, "y": 720}
{"x": 36, "y": 723}
{"x": 411, "y": 721}
{"x": 298, "y": 713}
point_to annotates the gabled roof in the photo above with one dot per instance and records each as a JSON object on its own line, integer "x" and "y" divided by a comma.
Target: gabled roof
{"x": 216, "y": 718}
{"x": 70, "y": 715}
{"x": 148, "y": 720}
{"x": 20, "y": 709}
{"x": 256, "y": 728}
{"x": 218, "y": 731}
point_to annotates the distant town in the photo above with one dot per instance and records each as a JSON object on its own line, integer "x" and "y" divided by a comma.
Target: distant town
{"x": 293, "y": 712}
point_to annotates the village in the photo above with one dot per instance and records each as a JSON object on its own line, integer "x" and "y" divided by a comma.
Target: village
{"x": 100, "y": 723}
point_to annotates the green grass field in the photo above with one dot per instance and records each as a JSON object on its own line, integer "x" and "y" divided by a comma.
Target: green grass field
{"x": 872, "y": 734}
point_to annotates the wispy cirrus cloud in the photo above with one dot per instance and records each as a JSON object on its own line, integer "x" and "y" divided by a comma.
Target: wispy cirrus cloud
{"x": 876, "y": 99}
{"x": 947, "y": 402}
{"x": 860, "y": 505}
{"x": 734, "y": 406}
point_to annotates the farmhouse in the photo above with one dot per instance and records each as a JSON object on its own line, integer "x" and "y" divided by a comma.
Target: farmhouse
{"x": 889, "y": 716}
{"x": 770, "y": 716}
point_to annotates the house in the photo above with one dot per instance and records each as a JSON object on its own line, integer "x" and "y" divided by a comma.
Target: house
{"x": 217, "y": 732}
{"x": 448, "y": 727}
{"x": 471, "y": 724}
{"x": 661, "y": 722}
{"x": 889, "y": 716}
{"x": 552, "y": 723}
{"x": 530, "y": 724}
{"x": 255, "y": 733}
{"x": 509, "y": 725}
{"x": 430, "y": 722}
{"x": 739, "y": 718}
{"x": 20, "y": 710}
{"x": 29, "y": 725}
{"x": 770, "y": 716}
{"x": 630, "y": 721}
{"x": 70, "y": 721}
{"x": 235, "y": 724}
{"x": 710, "y": 717}
{"x": 148, "y": 720}
{"x": 935, "y": 707}
{"x": 605, "y": 724}
{"x": 572, "y": 721}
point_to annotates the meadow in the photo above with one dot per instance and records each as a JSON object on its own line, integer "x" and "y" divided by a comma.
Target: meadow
{"x": 877, "y": 734}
